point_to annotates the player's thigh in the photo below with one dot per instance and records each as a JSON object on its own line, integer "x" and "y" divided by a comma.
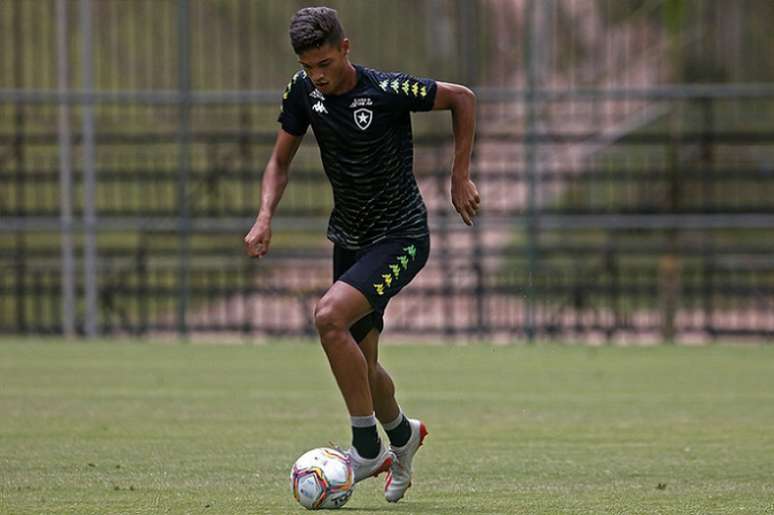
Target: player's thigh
{"x": 385, "y": 268}
{"x": 341, "y": 306}
{"x": 343, "y": 259}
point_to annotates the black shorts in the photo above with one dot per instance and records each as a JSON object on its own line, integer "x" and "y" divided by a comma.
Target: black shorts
{"x": 379, "y": 272}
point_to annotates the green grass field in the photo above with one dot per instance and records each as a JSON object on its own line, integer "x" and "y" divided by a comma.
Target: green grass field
{"x": 117, "y": 427}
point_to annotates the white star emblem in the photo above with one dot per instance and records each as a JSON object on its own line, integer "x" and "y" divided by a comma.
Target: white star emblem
{"x": 363, "y": 118}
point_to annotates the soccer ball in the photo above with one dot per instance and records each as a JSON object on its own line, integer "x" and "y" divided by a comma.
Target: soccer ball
{"x": 322, "y": 478}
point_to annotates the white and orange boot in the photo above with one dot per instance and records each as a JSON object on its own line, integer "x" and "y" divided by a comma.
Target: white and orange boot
{"x": 364, "y": 468}
{"x": 399, "y": 476}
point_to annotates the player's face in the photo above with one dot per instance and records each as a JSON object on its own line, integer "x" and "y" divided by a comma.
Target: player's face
{"x": 326, "y": 66}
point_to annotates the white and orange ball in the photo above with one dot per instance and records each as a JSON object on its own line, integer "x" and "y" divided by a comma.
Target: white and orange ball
{"x": 322, "y": 479}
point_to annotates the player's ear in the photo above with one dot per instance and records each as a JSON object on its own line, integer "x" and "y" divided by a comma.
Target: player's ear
{"x": 344, "y": 47}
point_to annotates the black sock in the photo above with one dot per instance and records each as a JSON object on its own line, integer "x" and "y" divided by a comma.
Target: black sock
{"x": 400, "y": 435}
{"x": 366, "y": 441}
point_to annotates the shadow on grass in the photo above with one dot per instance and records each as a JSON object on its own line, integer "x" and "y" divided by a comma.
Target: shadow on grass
{"x": 414, "y": 507}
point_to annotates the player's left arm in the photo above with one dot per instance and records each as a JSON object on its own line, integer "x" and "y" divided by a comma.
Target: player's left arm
{"x": 461, "y": 101}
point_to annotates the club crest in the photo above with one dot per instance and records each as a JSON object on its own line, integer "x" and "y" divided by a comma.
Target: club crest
{"x": 363, "y": 118}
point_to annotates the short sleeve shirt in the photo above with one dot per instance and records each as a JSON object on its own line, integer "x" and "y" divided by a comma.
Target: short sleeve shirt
{"x": 367, "y": 151}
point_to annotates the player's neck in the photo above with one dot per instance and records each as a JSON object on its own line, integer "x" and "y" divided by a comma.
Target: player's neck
{"x": 349, "y": 82}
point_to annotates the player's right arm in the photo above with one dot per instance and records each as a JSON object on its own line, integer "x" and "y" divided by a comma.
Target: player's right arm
{"x": 294, "y": 120}
{"x": 275, "y": 178}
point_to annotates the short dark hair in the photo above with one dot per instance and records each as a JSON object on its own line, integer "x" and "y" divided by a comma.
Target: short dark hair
{"x": 312, "y": 27}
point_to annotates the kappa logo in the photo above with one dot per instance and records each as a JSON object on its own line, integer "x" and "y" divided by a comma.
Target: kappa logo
{"x": 363, "y": 118}
{"x": 320, "y": 108}
{"x": 316, "y": 94}
{"x": 403, "y": 261}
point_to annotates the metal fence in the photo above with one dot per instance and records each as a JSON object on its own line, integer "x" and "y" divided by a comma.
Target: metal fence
{"x": 619, "y": 202}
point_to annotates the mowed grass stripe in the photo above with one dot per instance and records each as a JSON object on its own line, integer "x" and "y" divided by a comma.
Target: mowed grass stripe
{"x": 122, "y": 427}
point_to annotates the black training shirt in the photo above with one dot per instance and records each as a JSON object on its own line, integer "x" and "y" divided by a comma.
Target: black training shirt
{"x": 367, "y": 151}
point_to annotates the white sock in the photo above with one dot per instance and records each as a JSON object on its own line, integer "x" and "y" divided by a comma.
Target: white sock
{"x": 364, "y": 421}
{"x": 389, "y": 426}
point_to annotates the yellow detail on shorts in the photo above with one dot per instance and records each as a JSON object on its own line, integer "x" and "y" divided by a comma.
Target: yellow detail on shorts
{"x": 395, "y": 270}
{"x": 395, "y": 84}
{"x": 406, "y": 87}
{"x": 403, "y": 261}
{"x": 387, "y": 279}
{"x": 415, "y": 89}
{"x": 384, "y": 84}
{"x": 423, "y": 92}
{"x": 379, "y": 289}
{"x": 412, "y": 251}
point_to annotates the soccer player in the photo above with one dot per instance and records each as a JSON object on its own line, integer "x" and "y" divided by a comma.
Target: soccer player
{"x": 361, "y": 119}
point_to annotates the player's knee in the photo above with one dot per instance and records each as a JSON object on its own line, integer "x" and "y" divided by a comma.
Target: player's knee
{"x": 326, "y": 318}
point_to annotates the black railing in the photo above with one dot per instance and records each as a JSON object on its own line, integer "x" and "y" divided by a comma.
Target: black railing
{"x": 616, "y": 204}
{"x": 582, "y": 291}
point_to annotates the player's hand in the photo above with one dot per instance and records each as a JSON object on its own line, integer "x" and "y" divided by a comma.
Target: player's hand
{"x": 257, "y": 240}
{"x": 465, "y": 199}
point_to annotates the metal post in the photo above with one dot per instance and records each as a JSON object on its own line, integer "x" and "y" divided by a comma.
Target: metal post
{"x": 670, "y": 264}
{"x": 89, "y": 177}
{"x": 708, "y": 180}
{"x": 531, "y": 64}
{"x": 184, "y": 163}
{"x": 143, "y": 291}
{"x": 20, "y": 268}
{"x": 245, "y": 67}
{"x": 65, "y": 176}
{"x": 466, "y": 12}
{"x": 445, "y": 257}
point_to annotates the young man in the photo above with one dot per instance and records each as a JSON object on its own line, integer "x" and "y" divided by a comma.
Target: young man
{"x": 361, "y": 119}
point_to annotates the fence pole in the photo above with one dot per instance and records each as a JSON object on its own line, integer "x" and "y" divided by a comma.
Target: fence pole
{"x": 708, "y": 180}
{"x": 89, "y": 178}
{"x": 245, "y": 68}
{"x": 670, "y": 266}
{"x": 466, "y": 13}
{"x": 530, "y": 155}
{"x": 20, "y": 261}
{"x": 184, "y": 164}
{"x": 65, "y": 176}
